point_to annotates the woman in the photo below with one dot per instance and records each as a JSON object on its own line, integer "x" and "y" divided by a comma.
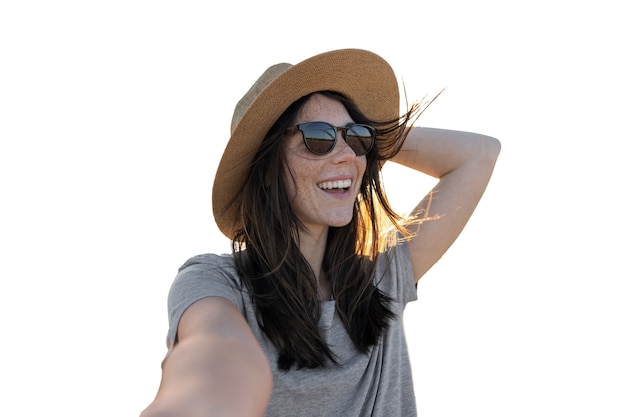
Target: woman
{"x": 305, "y": 316}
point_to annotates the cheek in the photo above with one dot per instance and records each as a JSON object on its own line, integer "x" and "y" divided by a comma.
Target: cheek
{"x": 296, "y": 174}
{"x": 290, "y": 187}
{"x": 361, "y": 166}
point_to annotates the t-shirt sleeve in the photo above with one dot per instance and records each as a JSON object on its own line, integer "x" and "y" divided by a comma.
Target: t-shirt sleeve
{"x": 395, "y": 274}
{"x": 200, "y": 277}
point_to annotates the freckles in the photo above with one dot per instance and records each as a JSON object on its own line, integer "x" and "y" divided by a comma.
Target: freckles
{"x": 300, "y": 181}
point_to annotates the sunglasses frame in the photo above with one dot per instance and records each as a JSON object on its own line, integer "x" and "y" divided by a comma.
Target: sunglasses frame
{"x": 301, "y": 127}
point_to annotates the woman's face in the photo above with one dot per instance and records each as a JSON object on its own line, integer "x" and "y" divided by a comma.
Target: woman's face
{"x": 324, "y": 187}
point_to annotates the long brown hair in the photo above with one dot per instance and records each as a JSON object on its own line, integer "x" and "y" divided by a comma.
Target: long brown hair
{"x": 281, "y": 283}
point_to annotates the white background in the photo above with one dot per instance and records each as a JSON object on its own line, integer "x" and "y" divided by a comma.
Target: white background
{"x": 113, "y": 116}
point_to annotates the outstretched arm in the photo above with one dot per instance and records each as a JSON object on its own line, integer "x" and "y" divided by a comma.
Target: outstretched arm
{"x": 463, "y": 162}
{"x": 217, "y": 368}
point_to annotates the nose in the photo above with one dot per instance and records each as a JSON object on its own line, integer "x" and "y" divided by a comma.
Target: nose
{"x": 342, "y": 151}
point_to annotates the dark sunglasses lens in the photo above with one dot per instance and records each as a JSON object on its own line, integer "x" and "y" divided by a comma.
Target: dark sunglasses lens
{"x": 360, "y": 138}
{"x": 318, "y": 137}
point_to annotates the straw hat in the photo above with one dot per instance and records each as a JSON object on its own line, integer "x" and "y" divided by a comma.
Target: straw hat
{"x": 361, "y": 76}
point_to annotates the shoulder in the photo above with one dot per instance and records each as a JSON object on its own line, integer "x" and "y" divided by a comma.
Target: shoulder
{"x": 394, "y": 272}
{"x": 203, "y": 276}
{"x": 208, "y": 261}
{"x": 208, "y": 266}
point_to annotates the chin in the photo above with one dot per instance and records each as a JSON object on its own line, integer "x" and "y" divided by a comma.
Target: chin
{"x": 340, "y": 222}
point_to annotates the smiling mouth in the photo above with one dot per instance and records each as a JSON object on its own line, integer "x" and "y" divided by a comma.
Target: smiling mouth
{"x": 341, "y": 185}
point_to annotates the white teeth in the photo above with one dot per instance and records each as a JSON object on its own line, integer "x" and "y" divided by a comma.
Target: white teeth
{"x": 335, "y": 184}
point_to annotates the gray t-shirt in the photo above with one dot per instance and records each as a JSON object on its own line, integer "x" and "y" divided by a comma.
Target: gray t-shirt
{"x": 375, "y": 384}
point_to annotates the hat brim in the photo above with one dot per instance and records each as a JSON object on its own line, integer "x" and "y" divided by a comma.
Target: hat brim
{"x": 361, "y": 76}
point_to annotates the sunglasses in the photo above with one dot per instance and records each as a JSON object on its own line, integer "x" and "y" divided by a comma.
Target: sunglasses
{"x": 320, "y": 137}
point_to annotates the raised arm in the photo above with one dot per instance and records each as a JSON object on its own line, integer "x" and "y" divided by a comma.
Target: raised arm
{"x": 217, "y": 368}
{"x": 463, "y": 162}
